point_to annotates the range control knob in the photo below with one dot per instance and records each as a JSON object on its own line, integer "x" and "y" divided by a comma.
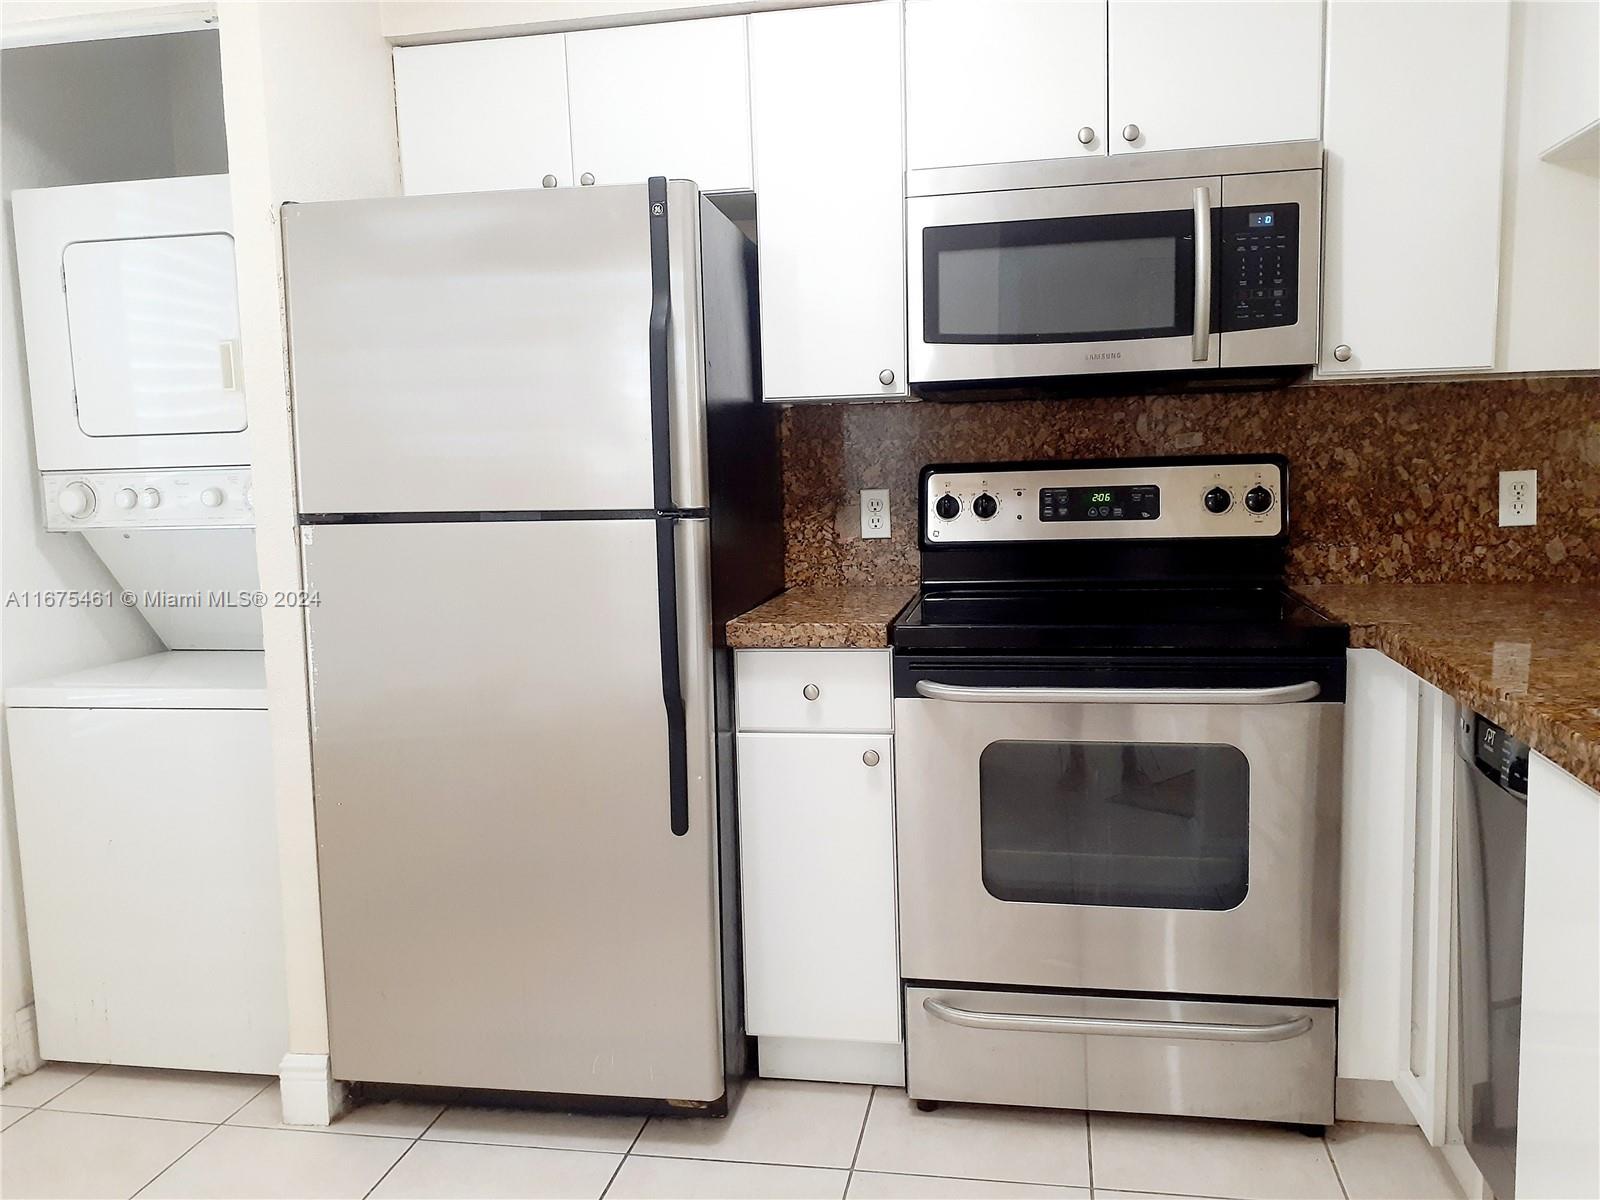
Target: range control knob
{"x": 984, "y": 506}
{"x": 211, "y": 497}
{"x": 76, "y": 499}
{"x": 1258, "y": 499}
{"x": 127, "y": 497}
{"x": 1218, "y": 500}
{"x": 150, "y": 498}
{"x": 948, "y": 507}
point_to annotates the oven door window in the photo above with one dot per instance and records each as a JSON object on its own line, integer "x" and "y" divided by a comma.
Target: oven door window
{"x": 1130, "y": 825}
{"x": 1121, "y": 277}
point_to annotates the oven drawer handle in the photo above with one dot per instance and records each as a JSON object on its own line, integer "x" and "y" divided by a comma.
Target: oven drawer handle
{"x": 1203, "y": 1031}
{"x": 1290, "y": 693}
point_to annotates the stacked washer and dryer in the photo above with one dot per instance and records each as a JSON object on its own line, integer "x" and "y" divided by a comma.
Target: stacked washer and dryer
{"x": 143, "y": 789}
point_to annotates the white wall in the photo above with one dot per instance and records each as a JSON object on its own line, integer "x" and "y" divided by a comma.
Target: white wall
{"x": 85, "y": 113}
{"x": 309, "y": 94}
{"x": 410, "y": 22}
{"x": 1549, "y": 282}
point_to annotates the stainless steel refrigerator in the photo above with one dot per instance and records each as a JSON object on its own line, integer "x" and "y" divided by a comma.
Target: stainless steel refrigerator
{"x": 534, "y": 478}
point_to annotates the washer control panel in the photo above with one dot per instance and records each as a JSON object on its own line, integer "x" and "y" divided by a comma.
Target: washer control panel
{"x": 177, "y": 498}
{"x": 967, "y": 504}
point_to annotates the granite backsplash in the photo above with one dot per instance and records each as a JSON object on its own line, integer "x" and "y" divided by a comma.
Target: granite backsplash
{"x": 1393, "y": 482}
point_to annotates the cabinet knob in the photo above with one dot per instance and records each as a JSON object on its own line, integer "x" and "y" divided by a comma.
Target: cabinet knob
{"x": 1130, "y": 133}
{"x": 548, "y": 181}
{"x": 587, "y": 179}
{"x": 1086, "y": 135}
{"x": 810, "y": 691}
{"x": 1342, "y": 353}
{"x": 870, "y": 757}
{"x": 886, "y": 376}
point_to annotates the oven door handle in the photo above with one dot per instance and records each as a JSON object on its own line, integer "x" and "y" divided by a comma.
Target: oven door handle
{"x": 1289, "y": 693}
{"x": 1203, "y": 1031}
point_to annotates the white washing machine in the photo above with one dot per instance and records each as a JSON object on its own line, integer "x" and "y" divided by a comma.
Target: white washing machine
{"x": 150, "y": 862}
{"x": 143, "y": 792}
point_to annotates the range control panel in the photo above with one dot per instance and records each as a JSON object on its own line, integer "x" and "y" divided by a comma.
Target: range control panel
{"x": 976, "y": 504}
{"x": 1259, "y": 275}
{"x": 176, "y": 498}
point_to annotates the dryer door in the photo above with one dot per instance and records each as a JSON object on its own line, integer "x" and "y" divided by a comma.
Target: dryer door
{"x": 154, "y": 329}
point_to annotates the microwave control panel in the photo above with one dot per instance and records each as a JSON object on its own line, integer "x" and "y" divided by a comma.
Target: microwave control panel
{"x": 1258, "y": 272}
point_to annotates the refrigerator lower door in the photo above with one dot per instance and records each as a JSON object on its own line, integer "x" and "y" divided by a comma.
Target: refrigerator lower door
{"x": 505, "y": 904}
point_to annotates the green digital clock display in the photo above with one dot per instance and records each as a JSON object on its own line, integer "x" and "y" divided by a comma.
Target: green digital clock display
{"x": 1129, "y": 502}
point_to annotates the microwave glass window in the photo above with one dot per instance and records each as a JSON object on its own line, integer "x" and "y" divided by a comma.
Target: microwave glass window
{"x": 1117, "y": 277}
{"x": 1130, "y": 825}
{"x": 1068, "y": 287}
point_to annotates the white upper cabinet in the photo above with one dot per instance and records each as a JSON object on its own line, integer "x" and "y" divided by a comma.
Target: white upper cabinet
{"x": 1415, "y": 134}
{"x": 665, "y": 99}
{"x": 1004, "y": 81}
{"x": 826, "y": 98}
{"x": 1195, "y": 74}
{"x": 483, "y": 116}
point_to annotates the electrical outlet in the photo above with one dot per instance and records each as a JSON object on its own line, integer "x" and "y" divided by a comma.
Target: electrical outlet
{"x": 874, "y": 512}
{"x": 1519, "y": 497}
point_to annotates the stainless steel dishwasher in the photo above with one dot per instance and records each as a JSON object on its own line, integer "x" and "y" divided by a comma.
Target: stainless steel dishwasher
{"x": 1491, "y": 859}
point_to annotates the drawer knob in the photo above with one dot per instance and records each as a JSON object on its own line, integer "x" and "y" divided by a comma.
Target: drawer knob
{"x": 810, "y": 691}
{"x": 1342, "y": 353}
{"x": 549, "y": 181}
{"x": 587, "y": 179}
{"x": 1086, "y": 135}
{"x": 1130, "y": 133}
{"x": 886, "y": 377}
{"x": 870, "y": 757}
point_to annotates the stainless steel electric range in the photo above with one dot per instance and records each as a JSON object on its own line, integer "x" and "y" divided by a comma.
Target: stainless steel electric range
{"x": 1118, "y": 750}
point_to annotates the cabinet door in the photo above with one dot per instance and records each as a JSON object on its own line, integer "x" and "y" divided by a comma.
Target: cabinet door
{"x": 1415, "y": 135}
{"x": 1427, "y": 917}
{"x": 1558, "y": 1083}
{"x": 482, "y": 116}
{"x": 826, "y": 101}
{"x": 1195, "y": 74}
{"x": 1004, "y": 81}
{"x": 667, "y": 99}
{"x": 816, "y": 843}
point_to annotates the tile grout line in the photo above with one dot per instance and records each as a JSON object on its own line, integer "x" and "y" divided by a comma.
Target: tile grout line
{"x": 1088, "y": 1146}
{"x": 626, "y": 1154}
{"x": 443, "y": 1108}
{"x": 1334, "y": 1163}
{"x": 175, "y": 1161}
{"x": 93, "y": 1070}
{"x": 850, "y": 1173}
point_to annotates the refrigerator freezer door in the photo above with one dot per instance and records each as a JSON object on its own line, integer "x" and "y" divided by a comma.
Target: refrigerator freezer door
{"x": 504, "y": 902}
{"x": 482, "y": 352}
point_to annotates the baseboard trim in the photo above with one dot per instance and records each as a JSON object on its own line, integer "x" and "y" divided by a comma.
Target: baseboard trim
{"x": 1375, "y": 1100}
{"x": 831, "y": 1062}
{"x": 310, "y": 1093}
{"x": 21, "y": 1044}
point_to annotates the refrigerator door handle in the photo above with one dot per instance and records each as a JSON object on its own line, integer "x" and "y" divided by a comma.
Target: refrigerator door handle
{"x": 672, "y": 673}
{"x": 666, "y": 520}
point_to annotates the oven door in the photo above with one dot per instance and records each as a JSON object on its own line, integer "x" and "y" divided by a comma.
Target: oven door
{"x": 1166, "y": 840}
{"x": 1062, "y": 281}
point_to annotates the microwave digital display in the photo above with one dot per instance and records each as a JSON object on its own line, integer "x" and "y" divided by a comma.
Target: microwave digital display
{"x": 1125, "y": 502}
{"x": 1261, "y": 220}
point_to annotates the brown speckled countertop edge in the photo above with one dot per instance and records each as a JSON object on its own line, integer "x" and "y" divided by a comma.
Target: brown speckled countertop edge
{"x": 821, "y": 618}
{"x": 1568, "y": 748}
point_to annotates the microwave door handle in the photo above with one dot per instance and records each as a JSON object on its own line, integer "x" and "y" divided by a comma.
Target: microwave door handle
{"x": 1291, "y": 693}
{"x": 1200, "y": 349}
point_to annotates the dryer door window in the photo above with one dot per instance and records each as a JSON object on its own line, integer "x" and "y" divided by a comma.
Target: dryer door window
{"x": 154, "y": 325}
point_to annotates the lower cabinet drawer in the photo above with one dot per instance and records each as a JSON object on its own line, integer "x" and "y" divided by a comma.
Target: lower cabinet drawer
{"x": 1264, "y": 1062}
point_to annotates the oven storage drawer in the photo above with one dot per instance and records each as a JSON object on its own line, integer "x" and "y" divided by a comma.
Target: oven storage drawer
{"x": 1265, "y": 1062}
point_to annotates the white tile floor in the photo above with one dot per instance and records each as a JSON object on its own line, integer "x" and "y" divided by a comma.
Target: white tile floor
{"x": 116, "y": 1132}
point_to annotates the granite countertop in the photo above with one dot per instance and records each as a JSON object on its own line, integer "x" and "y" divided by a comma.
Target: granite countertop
{"x": 821, "y": 618}
{"x": 1525, "y": 655}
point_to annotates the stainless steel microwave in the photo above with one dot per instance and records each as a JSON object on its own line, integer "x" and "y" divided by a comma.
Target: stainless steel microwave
{"x": 1184, "y": 260}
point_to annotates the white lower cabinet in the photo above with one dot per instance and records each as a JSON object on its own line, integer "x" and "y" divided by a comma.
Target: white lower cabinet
{"x": 816, "y": 860}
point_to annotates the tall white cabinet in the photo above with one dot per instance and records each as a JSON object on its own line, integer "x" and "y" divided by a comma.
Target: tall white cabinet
{"x": 1415, "y": 134}
{"x": 825, "y": 89}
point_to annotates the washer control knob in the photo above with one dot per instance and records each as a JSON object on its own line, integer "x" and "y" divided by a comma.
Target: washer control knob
{"x": 1258, "y": 499}
{"x": 984, "y": 506}
{"x": 76, "y": 500}
{"x": 211, "y": 497}
{"x": 948, "y": 507}
{"x": 127, "y": 497}
{"x": 150, "y": 498}
{"x": 1218, "y": 500}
